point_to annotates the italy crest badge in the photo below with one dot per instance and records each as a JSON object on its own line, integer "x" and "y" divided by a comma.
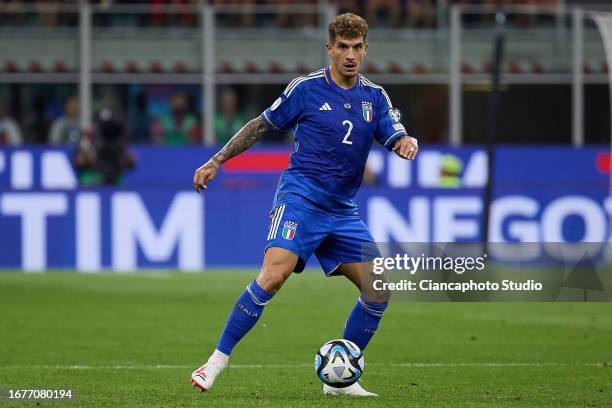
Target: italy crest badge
{"x": 366, "y": 108}
{"x": 289, "y": 229}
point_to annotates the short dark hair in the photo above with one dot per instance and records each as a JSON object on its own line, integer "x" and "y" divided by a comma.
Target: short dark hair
{"x": 347, "y": 25}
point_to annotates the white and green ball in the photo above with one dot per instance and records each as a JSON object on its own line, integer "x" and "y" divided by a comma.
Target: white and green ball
{"x": 339, "y": 363}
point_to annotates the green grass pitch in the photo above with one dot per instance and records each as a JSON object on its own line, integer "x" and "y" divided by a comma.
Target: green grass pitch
{"x": 127, "y": 340}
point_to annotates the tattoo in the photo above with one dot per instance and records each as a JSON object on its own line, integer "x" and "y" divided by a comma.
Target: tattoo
{"x": 246, "y": 137}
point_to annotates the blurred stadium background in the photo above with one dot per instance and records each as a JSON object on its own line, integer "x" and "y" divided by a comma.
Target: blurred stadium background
{"x": 107, "y": 107}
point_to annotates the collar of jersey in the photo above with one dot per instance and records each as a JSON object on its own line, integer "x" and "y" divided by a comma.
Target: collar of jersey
{"x": 331, "y": 81}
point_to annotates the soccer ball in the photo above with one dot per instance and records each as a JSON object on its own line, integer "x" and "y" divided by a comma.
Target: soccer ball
{"x": 339, "y": 363}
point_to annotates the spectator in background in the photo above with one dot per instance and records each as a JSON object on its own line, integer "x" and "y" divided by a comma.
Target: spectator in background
{"x": 177, "y": 127}
{"x": 186, "y": 17}
{"x": 304, "y": 20}
{"x": 228, "y": 120}
{"x": 47, "y": 13}
{"x": 9, "y": 129}
{"x": 158, "y": 15}
{"x": 534, "y": 12}
{"x": 389, "y": 10}
{"x": 50, "y": 15}
{"x": 285, "y": 18}
{"x": 9, "y": 18}
{"x": 243, "y": 19}
{"x": 346, "y": 6}
{"x": 140, "y": 122}
{"x": 104, "y": 19}
{"x": 420, "y": 13}
{"x": 36, "y": 124}
{"x": 101, "y": 156}
{"x": 66, "y": 129}
{"x": 113, "y": 157}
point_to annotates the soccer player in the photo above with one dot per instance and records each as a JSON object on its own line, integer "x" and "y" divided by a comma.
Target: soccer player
{"x": 335, "y": 114}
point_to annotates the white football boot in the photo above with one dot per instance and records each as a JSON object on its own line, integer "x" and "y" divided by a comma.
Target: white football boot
{"x": 354, "y": 389}
{"x": 205, "y": 376}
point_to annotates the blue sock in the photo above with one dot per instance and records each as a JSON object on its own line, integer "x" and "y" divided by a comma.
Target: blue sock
{"x": 243, "y": 317}
{"x": 363, "y": 322}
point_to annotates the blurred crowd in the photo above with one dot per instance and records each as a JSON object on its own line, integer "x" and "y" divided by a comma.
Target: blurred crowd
{"x": 387, "y": 13}
{"x": 32, "y": 116}
{"x": 175, "y": 121}
{"x": 413, "y": 13}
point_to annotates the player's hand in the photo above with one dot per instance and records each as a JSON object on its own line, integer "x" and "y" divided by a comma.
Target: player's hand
{"x": 204, "y": 174}
{"x": 406, "y": 147}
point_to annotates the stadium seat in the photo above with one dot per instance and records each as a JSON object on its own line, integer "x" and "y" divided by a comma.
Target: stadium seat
{"x": 275, "y": 67}
{"x": 418, "y": 68}
{"x": 302, "y": 68}
{"x": 108, "y": 67}
{"x": 35, "y": 66}
{"x": 586, "y": 68}
{"x": 60, "y": 66}
{"x": 537, "y": 68}
{"x": 372, "y": 68}
{"x": 467, "y": 68}
{"x": 395, "y": 68}
{"x": 11, "y": 66}
{"x": 514, "y": 67}
{"x": 132, "y": 67}
{"x": 251, "y": 67}
{"x": 180, "y": 67}
{"x": 156, "y": 67}
{"x": 227, "y": 67}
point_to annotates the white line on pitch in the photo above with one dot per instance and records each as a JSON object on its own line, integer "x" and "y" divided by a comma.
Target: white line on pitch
{"x": 264, "y": 366}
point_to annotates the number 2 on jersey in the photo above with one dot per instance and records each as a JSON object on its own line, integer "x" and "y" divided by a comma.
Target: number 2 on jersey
{"x": 348, "y": 132}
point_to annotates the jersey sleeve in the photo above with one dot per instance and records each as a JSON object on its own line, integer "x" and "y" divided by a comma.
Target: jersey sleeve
{"x": 286, "y": 109}
{"x": 389, "y": 127}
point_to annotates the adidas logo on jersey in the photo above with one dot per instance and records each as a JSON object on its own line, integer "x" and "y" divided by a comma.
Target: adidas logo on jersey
{"x": 325, "y": 107}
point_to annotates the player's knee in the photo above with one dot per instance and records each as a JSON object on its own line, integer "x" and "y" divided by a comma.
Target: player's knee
{"x": 270, "y": 280}
{"x": 377, "y": 296}
{"x": 376, "y": 293}
{"x": 374, "y": 288}
{"x": 383, "y": 296}
{"x": 274, "y": 273}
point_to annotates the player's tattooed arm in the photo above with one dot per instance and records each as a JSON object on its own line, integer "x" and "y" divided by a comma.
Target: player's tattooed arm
{"x": 246, "y": 137}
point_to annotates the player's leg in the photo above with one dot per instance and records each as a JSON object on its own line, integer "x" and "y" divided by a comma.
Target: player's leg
{"x": 278, "y": 265}
{"x": 363, "y": 320}
{"x": 349, "y": 252}
{"x": 365, "y": 317}
{"x": 293, "y": 235}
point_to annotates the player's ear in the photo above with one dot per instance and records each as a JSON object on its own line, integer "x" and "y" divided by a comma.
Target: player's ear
{"x": 365, "y": 47}
{"x": 330, "y": 50}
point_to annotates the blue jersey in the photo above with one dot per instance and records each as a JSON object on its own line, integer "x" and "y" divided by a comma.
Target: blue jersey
{"x": 333, "y": 130}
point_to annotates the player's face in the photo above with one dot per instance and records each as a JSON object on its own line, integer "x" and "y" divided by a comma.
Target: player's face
{"x": 347, "y": 55}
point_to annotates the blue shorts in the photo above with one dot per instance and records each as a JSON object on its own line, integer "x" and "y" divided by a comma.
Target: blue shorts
{"x": 334, "y": 239}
